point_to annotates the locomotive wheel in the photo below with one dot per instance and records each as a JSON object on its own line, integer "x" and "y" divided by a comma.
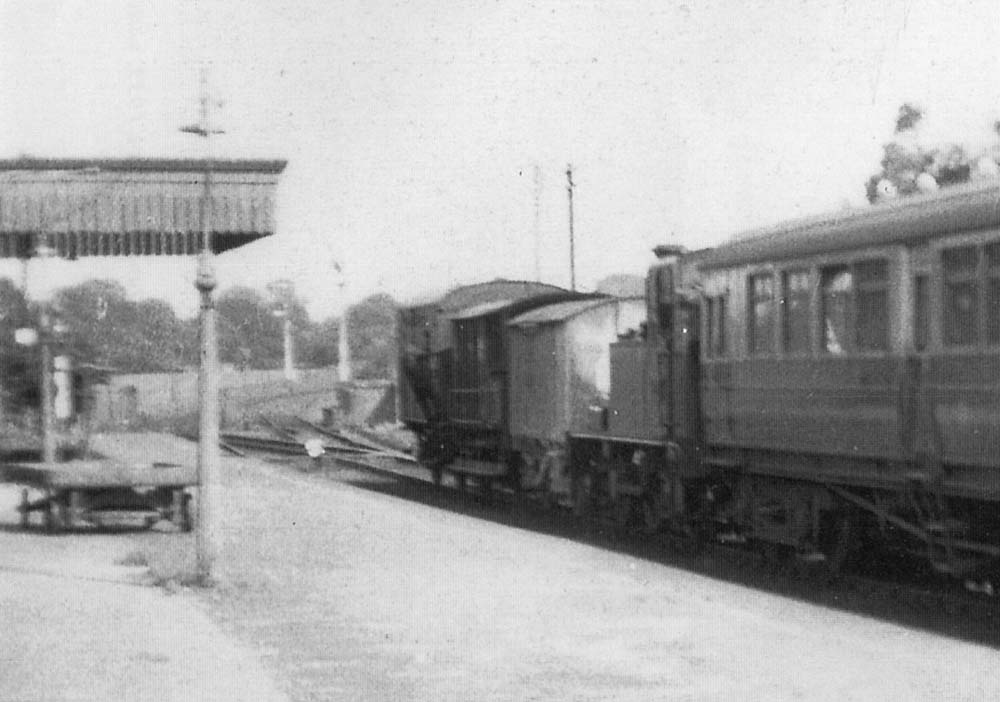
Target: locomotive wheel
{"x": 624, "y": 510}
{"x": 652, "y": 515}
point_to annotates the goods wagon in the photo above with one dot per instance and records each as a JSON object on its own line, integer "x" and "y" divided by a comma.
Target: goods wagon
{"x": 454, "y": 355}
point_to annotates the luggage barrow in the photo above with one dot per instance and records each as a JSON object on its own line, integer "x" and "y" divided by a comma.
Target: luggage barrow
{"x": 103, "y": 493}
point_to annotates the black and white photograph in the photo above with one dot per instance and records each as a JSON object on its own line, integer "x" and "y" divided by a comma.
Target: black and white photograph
{"x": 495, "y": 351}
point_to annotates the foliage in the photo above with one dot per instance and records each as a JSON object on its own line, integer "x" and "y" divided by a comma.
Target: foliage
{"x": 18, "y": 364}
{"x": 250, "y": 335}
{"x": 371, "y": 333}
{"x": 317, "y": 344}
{"x": 103, "y": 327}
{"x": 908, "y": 167}
{"x": 108, "y": 329}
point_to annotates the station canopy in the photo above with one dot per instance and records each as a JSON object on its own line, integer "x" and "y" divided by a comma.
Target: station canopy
{"x": 133, "y": 207}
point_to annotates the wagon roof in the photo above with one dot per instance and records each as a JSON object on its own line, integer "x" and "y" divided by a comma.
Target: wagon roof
{"x": 466, "y": 296}
{"x": 561, "y": 311}
{"x": 956, "y": 209}
{"x": 515, "y": 307}
{"x": 482, "y": 309}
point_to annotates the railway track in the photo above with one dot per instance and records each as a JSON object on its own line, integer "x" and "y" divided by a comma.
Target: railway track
{"x": 944, "y": 608}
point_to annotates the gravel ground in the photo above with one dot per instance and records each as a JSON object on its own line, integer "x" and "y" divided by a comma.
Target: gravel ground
{"x": 356, "y": 595}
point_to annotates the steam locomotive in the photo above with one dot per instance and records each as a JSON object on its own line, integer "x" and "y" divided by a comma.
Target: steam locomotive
{"x": 828, "y": 386}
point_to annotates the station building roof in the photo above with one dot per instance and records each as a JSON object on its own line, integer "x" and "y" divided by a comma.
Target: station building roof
{"x": 133, "y": 207}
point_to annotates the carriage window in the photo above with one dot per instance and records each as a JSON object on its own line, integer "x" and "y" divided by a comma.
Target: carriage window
{"x": 715, "y": 326}
{"x": 872, "y": 296}
{"x": 837, "y": 289}
{"x": 961, "y": 296}
{"x": 795, "y": 306}
{"x": 761, "y": 313}
{"x": 710, "y": 323}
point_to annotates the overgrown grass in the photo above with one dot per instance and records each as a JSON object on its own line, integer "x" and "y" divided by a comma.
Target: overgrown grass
{"x": 171, "y": 562}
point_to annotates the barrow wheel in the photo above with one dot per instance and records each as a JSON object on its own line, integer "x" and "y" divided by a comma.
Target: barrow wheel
{"x": 186, "y": 522}
{"x": 25, "y": 508}
{"x": 53, "y": 516}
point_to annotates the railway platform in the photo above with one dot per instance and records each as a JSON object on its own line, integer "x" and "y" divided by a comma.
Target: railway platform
{"x": 79, "y": 625}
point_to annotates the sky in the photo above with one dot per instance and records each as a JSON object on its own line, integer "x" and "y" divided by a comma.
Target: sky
{"x": 428, "y": 142}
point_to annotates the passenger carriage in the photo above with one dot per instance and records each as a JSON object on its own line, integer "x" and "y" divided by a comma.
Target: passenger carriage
{"x": 821, "y": 384}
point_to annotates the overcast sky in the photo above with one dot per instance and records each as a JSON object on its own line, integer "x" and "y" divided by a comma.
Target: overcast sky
{"x": 428, "y": 141}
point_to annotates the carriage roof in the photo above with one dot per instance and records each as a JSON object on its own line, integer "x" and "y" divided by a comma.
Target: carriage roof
{"x": 918, "y": 218}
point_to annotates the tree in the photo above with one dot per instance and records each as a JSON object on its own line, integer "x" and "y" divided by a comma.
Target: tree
{"x": 317, "y": 343}
{"x": 371, "y": 331}
{"x": 908, "y": 167}
{"x": 106, "y": 328}
{"x": 249, "y": 332}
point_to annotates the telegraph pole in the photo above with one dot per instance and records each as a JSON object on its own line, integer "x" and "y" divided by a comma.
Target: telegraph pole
{"x": 283, "y": 292}
{"x": 208, "y": 370}
{"x": 343, "y": 347}
{"x": 572, "y": 243}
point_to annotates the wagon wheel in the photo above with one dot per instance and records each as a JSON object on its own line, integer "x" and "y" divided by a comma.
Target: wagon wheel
{"x": 582, "y": 497}
{"x": 486, "y": 486}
